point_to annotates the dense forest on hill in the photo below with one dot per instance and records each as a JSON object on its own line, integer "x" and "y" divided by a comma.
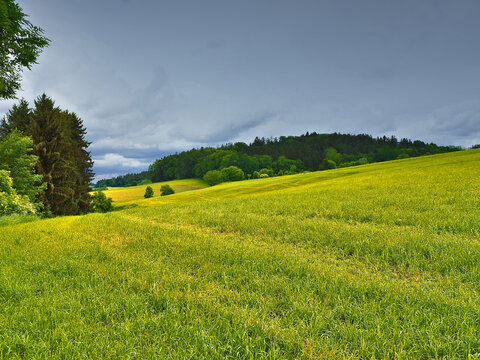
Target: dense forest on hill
{"x": 283, "y": 155}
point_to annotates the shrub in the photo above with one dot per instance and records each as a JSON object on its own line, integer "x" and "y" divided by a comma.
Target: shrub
{"x": 269, "y": 172}
{"x": 256, "y": 175}
{"x": 166, "y": 190}
{"x": 213, "y": 177}
{"x": 101, "y": 203}
{"x": 403, "y": 156}
{"x": 232, "y": 173}
{"x": 264, "y": 176}
{"x": 145, "y": 182}
{"x": 328, "y": 164}
{"x": 148, "y": 192}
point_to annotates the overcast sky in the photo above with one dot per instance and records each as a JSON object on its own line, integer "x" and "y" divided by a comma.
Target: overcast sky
{"x": 150, "y": 78}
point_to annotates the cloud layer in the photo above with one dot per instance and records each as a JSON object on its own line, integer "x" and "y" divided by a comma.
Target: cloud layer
{"x": 154, "y": 77}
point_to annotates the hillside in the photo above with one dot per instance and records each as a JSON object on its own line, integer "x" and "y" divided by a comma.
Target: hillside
{"x": 122, "y": 195}
{"x": 285, "y": 155}
{"x": 373, "y": 261}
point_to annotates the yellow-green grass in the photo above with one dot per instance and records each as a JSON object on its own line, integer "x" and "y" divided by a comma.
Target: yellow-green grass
{"x": 133, "y": 193}
{"x": 377, "y": 261}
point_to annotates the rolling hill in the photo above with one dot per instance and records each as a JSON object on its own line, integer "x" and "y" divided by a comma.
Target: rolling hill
{"x": 374, "y": 261}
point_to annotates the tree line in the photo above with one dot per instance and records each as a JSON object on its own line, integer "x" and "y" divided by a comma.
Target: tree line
{"x": 280, "y": 156}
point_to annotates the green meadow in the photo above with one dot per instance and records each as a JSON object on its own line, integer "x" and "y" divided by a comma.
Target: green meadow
{"x": 134, "y": 193}
{"x": 377, "y": 261}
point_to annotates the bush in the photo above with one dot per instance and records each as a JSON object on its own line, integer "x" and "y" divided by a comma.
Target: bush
{"x": 148, "y": 192}
{"x": 266, "y": 171}
{"x": 213, "y": 177}
{"x": 232, "y": 173}
{"x": 10, "y": 201}
{"x": 403, "y": 156}
{"x": 166, "y": 190}
{"x": 262, "y": 176}
{"x": 101, "y": 203}
{"x": 145, "y": 182}
{"x": 328, "y": 164}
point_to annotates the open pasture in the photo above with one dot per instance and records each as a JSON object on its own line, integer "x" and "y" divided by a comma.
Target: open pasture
{"x": 133, "y": 193}
{"x": 376, "y": 261}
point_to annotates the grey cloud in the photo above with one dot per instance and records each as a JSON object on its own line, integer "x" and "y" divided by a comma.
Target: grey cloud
{"x": 150, "y": 78}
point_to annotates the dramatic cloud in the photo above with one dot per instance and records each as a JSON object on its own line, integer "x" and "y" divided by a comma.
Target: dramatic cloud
{"x": 151, "y": 78}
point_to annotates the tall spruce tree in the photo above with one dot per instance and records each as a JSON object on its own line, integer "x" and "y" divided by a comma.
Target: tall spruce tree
{"x": 83, "y": 163}
{"x": 63, "y": 161}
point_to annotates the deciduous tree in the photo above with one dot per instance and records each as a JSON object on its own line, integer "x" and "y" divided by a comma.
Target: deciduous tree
{"x": 20, "y": 45}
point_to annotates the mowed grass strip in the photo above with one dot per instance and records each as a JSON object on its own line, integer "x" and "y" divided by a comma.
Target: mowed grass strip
{"x": 379, "y": 263}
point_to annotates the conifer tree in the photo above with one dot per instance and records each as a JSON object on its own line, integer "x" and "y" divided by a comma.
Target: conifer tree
{"x": 60, "y": 145}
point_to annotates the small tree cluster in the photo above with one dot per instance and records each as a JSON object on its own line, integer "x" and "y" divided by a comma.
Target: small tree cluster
{"x": 59, "y": 144}
{"x": 231, "y": 173}
{"x": 166, "y": 190}
{"x": 101, "y": 203}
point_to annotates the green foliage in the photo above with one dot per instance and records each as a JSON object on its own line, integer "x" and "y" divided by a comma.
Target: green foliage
{"x": 15, "y": 156}
{"x": 126, "y": 180}
{"x": 403, "y": 156}
{"x": 265, "y": 171}
{"x": 328, "y": 164}
{"x": 63, "y": 161}
{"x": 213, "y": 177}
{"x": 166, "y": 190}
{"x": 101, "y": 203}
{"x": 361, "y": 161}
{"x": 148, "y": 192}
{"x": 283, "y": 164}
{"x": 333, "y": 155}
{"x": 292, "y": 154}
{"x": 10, "y": 201}
{"x": 20, "y": 45}
{"x": 232, "y": 173}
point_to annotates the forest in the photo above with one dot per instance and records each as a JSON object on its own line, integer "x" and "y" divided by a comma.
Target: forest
{"x": 285, "y": 155}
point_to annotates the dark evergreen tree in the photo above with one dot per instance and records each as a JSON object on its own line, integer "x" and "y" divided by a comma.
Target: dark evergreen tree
{"x": 63, "y": 160}
{"x": 83, "y": 163}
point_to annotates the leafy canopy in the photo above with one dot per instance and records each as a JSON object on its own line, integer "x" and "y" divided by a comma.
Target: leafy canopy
{"x": 232, "y": 173}
{"x": 213, "y": 177}
{"x": 20, "y": 45}
{"x": 10, "y": 201}
{"x": 16, "y": 157}
{"x": 101, "y": 203}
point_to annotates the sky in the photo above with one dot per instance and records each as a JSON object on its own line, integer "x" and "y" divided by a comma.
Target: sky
{"x": 152, "y": 77}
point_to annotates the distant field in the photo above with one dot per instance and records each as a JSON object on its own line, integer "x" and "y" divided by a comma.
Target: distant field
{"x": 376, "y": 261}
{"x": 123, "y": 194}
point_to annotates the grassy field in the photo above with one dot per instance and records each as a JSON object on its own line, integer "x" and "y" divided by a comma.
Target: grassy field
{"x": 378, "y": 261}
{"x": 134, "y": 193}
